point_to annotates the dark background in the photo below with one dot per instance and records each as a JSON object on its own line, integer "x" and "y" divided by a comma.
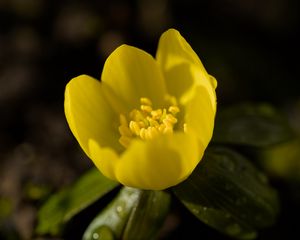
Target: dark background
{"x": 250, "y": 46}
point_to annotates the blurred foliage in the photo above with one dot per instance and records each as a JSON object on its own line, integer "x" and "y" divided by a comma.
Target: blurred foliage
{"x": 5, "y": 209}
{"x": 282, "y": 161}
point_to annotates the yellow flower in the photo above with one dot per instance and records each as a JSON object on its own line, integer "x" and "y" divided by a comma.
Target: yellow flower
{"x": 149, "y": 120}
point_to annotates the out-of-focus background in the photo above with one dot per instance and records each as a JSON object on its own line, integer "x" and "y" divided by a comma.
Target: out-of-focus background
{"x": 250, "y": 46}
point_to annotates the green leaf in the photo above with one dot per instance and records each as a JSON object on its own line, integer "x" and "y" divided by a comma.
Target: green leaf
{"x": 148, "y": 215}
{"x": 251, "y": 125}
{"x": 114, "y": 217}
{"x": 50, "y": 216}
{"x": 62, "y": 206}
{"x": 133, "y": 214}
{"x": 227, "y": 193}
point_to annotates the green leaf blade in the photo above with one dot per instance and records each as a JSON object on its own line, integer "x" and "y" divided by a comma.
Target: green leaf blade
{"x": 88, "y": 189}
{"x": 226, "y": 192}
{"x": 255, "y": 125}
{"x": 63, "y": 205}
{"x": 115, "y": 216}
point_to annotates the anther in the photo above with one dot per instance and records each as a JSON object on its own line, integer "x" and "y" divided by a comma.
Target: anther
{"x": 134, "y": 127}
{"x": 173, "y": 109}
{"x": 161, "y": 128}
{"x": 143, "y": 133}
{"x": 156, "y": 114}
{"x": 171, "y": 118}
{"x": 123, "y": 120}
{"x": 125, "y": 131}
{"x": 168, "y": 130}
{"x": 146, "y": 108}
{"x": 125, "y": 141}
{"x": 146, "y": 101}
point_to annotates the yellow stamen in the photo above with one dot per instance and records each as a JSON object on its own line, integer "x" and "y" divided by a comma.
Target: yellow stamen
{"x": 173, "y": 109}
{"x": 156, "y": 114}
{"x": 161, "y": 128}
{"x": 146, "y": 108}
{"x": 134, "y": 127}
{"x": 143, "y": 133}
{"x": 147, "y": 123}
{"x": 125, "y": 141}
{"x": 146, "y": 101}
{"x": 123, "y": 120}
{"x": 125, "y": 131}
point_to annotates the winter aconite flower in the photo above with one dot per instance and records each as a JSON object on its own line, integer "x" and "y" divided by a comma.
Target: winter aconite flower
{"x": 148, "y": 121}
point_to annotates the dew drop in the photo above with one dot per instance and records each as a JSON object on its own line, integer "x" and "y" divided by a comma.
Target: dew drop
{"x": 120, "y": 209}
{"x": 102, "y": 233}
{"x": 95, "y": 236}
{"x": 195, "y": 211}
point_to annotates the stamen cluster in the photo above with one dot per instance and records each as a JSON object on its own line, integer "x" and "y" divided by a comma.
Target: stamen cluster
{"x": 146, "y": 122}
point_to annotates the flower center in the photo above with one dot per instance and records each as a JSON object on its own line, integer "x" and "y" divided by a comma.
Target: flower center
{"x": 146, "y": 122}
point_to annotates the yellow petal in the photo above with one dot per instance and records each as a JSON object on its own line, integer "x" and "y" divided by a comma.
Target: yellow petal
{"x": 89, "y": 114}
{"x": 132, "y": 73}
{"x": 105, "y": 159}
{"x": 181, "y": 66}
{"x": 160, "y": 163}
{"x": 200, "y": 115}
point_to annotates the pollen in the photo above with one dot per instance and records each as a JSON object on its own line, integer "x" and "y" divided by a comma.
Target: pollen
{"x": 147, "y": 123}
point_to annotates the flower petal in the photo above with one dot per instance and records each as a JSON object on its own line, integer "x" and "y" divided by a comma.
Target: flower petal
{"x": 159, "y": 163}
{"x": 132, "y": 73}
{"x": 89, "y": 114}
{"x": 200, "y": 115}
{"x": 181, "y": 66}
{"x": 105, "y": 159}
